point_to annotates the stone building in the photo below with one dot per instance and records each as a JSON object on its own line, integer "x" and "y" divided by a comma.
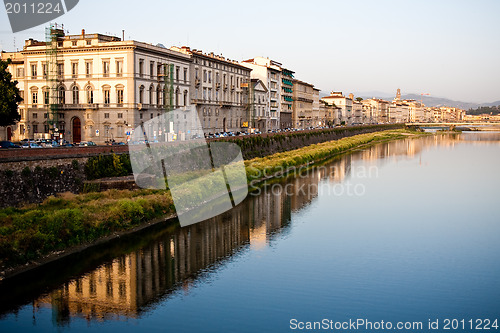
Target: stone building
{"x": 303, "y": 98}
{"x": 344, "y": 103}
{"x": 218, "y": 91}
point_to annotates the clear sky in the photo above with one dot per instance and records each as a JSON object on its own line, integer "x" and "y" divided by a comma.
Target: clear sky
{"x": 445, "y": 48}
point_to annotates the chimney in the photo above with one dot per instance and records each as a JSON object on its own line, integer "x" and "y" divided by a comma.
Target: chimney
{"x": 83, "y": 32}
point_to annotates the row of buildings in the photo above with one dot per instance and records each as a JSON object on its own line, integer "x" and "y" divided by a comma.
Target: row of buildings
{"x": 94, "y": 87}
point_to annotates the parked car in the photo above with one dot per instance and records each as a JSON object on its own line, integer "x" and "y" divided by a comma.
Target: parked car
{"x": 31, "y": 145}
{"x": 8, "y": 144}
{"x": 87, "y": 144}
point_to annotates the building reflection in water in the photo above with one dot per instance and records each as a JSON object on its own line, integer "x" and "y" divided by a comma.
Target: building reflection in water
{"x": 129, "y": 284}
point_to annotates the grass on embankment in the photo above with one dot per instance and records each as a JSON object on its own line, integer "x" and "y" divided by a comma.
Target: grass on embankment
{"x": 29, "y": 232}
{"x": 257, "y": 168}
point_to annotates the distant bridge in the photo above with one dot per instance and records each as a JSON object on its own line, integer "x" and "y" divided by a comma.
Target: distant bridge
{"x": 470, "y": 124}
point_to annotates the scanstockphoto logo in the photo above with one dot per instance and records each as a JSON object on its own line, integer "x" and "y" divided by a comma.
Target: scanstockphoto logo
{"x": 28, "y": 14}
{"x": 205, "y": 179}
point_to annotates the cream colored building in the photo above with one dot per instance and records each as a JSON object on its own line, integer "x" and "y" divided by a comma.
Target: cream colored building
{"x": 105, "y": 87}
{"x": 270, "y": 73}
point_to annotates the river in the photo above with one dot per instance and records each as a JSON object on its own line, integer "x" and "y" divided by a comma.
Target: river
{"x": 402, "y": 232}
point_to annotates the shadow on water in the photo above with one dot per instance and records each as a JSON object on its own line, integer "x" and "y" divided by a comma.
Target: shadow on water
{"x": 128, "y": 276}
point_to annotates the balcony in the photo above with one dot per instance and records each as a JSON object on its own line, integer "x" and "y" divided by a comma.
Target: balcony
{"x": 197, "y": 82}
{"x": 225, "y": 86}
{"x": 217, "y": 85}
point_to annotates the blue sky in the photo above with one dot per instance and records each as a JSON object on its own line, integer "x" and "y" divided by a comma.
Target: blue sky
{"x": 445, "y": 48}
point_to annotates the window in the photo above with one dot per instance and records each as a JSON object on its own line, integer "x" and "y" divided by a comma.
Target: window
{"x": 185, "y": 75}
{"x": 141, "y": 94}
{"x": 89, "y": 42}
{"x": 204, "y": 75}
{"x": 45, "y": 128}
{"x": 76, "y": 95}
{"x": 196, "y": 73}
{"x": 35, "y": 115}
{"x": 106, "y": 97}
{"x": 74, "y": 70}
{"x": 90, "y": 95}
{"x": 105, "y": 68}
{"x": 106, "y": 115}
{"x": 60, "y": 69}
{"x": 35, "y": 128}
{"x": 120, "y": 115}
{"x": 185, "y": 98}
{"x": 119, "y": 68}
{"x": 151, "y": 95}
{"x": 33, "y": 71}
{"x": 140, "y": 115}
{"x": 177, "y": 69}
{"x": 73, "y": 43}
{"x": 88, "y": 68}
{"x": 61, "y": 95}
{"x": 20, "y": 72}
{"x": 46, "y": 97}
{"x": 44, "y": 70}
{"x": 210, "y": 77}
{"x": 119, "y": 96}
{"x": 34, "y": 98}
{"x": 151, "y": 68}
{"x": 141, "y": 67}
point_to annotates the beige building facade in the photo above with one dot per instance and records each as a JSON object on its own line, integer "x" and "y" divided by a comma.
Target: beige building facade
{"x": 106, "y": 87}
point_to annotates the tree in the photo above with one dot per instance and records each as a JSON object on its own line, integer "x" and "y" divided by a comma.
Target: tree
{"x": 359, "y": 99}
{"x": 9, "y": 96}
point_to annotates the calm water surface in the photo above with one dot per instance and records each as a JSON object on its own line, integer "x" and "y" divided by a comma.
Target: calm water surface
{"x": 405, "y": 231}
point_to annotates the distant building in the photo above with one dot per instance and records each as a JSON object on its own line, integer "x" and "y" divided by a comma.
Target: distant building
{"x": 344, "y": 103}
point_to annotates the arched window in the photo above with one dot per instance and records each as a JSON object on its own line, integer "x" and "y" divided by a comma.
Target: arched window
{"x": 177, "y": 93}
{"x": 61, "y": 92}
{"x": 141, "y": 94}
{"x": 158, "y": 96}
{"x": 90, "y": 95}
{"x": 76, "y": 95}
{"x": 151, "y": 94}
{"x": 106, "y": 92}
{"x": 185, "y": 98}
